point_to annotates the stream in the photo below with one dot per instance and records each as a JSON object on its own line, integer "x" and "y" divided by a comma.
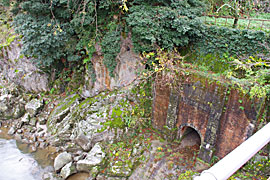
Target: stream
{"x": 15, "y": 165}
{"x": 18, "y": 162}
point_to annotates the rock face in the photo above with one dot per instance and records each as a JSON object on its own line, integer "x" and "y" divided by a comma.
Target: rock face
{"x": 71, "y": 118}
{"x": 61, "y": 160}
{"x": 33, "y": 107}
{"x": 57, "y": 121}
{"x": 11, "y": 101}
{"x": 93, "y": 158}
{"x": 18, "y": 75}
{"x": 128, "y": 64}
{"x": 21, "y": 71}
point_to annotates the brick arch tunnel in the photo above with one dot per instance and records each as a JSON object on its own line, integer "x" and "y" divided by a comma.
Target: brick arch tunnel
{"x": 210, "y": 109}
{"x": 189, "y": 136}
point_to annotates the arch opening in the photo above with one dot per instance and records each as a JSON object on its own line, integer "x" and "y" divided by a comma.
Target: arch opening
{"x": 189, "y": 137}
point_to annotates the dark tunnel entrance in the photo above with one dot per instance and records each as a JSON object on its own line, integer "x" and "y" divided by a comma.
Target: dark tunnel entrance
{"x": 190, "y": 137}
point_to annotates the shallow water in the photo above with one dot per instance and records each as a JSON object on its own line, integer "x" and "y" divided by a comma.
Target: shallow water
{"x": 18, "y": 162}
{"x": 44, "y": 157}
{"x": 15, "y": 165}
{"x": 79, "y": 176}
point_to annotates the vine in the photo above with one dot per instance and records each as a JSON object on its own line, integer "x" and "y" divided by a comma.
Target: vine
{"x": 68, "y": 31}
{"x": 250, "y": 76}
{"x": 111, "y": 47}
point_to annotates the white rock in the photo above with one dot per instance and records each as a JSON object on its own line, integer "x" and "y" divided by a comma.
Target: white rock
{"x": 84, "y": 142}
{"x": 68, "y": 170}
{"x": 93, "y": 158}
{"x": 26, "y": 118}
{"x": 61, "y": 160}
{"x": 33, "y": 106}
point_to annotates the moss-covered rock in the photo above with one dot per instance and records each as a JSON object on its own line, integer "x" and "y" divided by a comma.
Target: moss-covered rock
{"x": 71, "y": 118}
{"x": 94, "y": 158}
{"x": 11, "y": 101}
{"x": 55, "y": 121}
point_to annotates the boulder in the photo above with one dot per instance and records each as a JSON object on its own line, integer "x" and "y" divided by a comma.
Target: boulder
{"x": 81, "y": 121}
{"x": 33, "y": 121}
{"x": 11, "y": 131}
{"x": 58, "y": 118}
{"x": 3, "y": 107}
{"x": 93, "y": 158}
{"x": 83, "y": 142}
{"x": 61, "y": 160}
{"x": 19, "y": 124}
{"x": 68, "y": 170}
{"x": 33, "y": 107}
{"x": 120, "y": 169}
{"x": 42, "y": 118}
{"x": 26, "y": 118}
{"x": 11, "y": 104}
{"x": 49, "y": 176}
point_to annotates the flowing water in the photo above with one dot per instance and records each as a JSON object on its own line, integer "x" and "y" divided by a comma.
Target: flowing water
{"x": 18, "y": 162}
{"x": 15, "y": 165}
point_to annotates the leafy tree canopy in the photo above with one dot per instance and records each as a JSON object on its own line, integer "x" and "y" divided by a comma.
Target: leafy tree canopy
{"x": 59, "y": 31}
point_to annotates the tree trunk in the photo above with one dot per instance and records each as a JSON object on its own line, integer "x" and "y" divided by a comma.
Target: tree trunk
{"x": 235, "y": 22}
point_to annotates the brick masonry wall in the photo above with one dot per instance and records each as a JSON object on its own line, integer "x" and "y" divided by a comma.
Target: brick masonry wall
{"x": 236, "y": 124}
{"x": 210, "y": 110}
{"x": 160, "y": 105}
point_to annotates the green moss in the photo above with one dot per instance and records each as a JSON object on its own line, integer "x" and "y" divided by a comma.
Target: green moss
{"x": 62, "y": 106}
{"x": 87, "y": 102}
{"x": 68, "y": 102}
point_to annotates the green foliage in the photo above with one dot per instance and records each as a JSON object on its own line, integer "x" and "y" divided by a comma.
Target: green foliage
{"x": 63, "y": 33}
{"x": 46, "y": 32}
{"x": 258, "y": 168}
{"x": 58, "y": 33}
{"x": 252, "y": 73}
{"x": 234, "y": 54}
{"x": 248, "y": 75}
{"x": 42, "y": 38}
{"x": 220, "y": 40}
{"x": 110, "y": 47}
{"x": 188, "y": 175}
{"x": 165, "y": 26}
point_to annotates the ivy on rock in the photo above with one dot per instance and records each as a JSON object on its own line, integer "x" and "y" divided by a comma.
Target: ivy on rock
{"x": 61, "y": 33}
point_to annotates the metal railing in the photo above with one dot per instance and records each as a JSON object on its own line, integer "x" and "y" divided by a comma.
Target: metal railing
{"x": 223, "y": 169}
{"x": 262, "y": 25}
